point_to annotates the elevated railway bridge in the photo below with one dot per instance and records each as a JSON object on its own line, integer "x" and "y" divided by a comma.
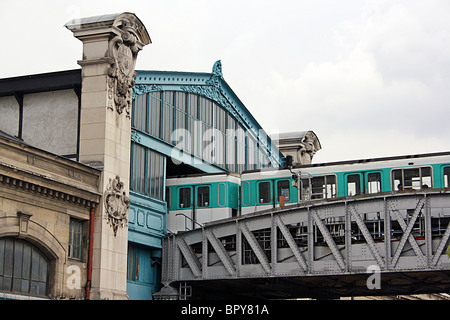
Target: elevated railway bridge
{"x": 385, "y": 244}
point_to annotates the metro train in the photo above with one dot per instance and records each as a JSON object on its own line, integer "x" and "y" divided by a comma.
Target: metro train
{"x": 197, "y": 199}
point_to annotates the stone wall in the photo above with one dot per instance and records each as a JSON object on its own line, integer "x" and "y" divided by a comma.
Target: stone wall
{"x": 39, "y": 194}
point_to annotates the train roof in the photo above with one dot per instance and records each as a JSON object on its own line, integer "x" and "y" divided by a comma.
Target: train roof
{"x": 193, "y": 175}
{"x": 358, "y": 161}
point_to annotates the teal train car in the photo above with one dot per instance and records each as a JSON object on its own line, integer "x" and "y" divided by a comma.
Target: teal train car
{"x": 263, "y": 189}
{"x": 197, "y": 199}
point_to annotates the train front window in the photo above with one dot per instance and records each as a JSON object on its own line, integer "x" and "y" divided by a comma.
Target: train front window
{"x": 283, "y": 189}
{"x": 264, "y": 192}
{"x": 203, "y": 196}
{"x": 374, "y": 182}
{"x": 185, "y": 197}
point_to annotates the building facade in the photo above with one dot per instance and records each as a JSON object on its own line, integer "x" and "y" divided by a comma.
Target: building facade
{"x": 182, "y": 123}
{"x": 76, "y": 119}
{"x": 46, "y": 202}
{"x": 84, "y": 155}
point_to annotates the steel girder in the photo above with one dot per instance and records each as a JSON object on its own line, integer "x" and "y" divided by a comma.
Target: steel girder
{"x": 321, "y": 238}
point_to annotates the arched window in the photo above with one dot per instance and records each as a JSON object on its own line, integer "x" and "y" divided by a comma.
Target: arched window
{"x": 23, "y": 268}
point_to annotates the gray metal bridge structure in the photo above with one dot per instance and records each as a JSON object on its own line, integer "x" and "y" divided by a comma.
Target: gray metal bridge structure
{"x": 385, "y": 244}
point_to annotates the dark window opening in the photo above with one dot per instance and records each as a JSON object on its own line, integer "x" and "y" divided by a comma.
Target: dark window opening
{"x": 203, "y": 197}
{"x": 283, "y": 189}
{"x": 264, "y": 192}
{"x": 185, "y": 197}
{"x": 23, "y": 268}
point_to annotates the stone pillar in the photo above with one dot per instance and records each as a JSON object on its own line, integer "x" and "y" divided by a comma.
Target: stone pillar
{"x": 110, "y": 47}
{"x": 301, "y": 145}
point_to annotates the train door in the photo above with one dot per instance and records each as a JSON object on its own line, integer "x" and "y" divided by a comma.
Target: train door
{"x": 193, "y": 199}
{"x": 354, "y": 184}
{"x": 202, "y": 212}
{"x": 186, "y": 210}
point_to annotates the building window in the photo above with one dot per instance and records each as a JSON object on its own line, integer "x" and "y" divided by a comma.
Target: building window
{"x": 143, "y": 264}
{"x": 75, "y": 238}
{"x": 203, "y": 196}
{"x": 185, "y": 197}
{"x": 23, "y": 268}
{"x": 212, "y": 133}
{"x": 147, "y": 172}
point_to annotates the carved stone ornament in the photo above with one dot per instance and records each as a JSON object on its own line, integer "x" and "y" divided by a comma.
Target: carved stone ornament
{"x": 117, "y": 204}
{"x": 214, "y": 91}
{"x": 123, "y": 49}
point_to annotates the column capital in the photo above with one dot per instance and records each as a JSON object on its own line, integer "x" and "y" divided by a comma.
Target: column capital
{"x": 114, "y": 39}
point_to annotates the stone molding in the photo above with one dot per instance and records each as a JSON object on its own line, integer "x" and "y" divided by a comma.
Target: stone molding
{"x": 117, "y": 204}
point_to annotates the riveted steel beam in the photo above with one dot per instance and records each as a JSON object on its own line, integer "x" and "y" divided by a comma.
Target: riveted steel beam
{"x": 407, "y": 232}
{"x": 262, "y": 258}
{"x": 291, "y": 242}
{"x": 411, "y": 239}
{"x": 221, "y": 252}
{"x": 329, "y": 239}
{"x": 369, "y": 240}
{"x": 441, "y": 246}
{"x": 190, "y": 257}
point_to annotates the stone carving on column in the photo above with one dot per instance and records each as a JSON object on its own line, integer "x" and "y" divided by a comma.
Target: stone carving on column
{"x": 123, "y": 49}
{"x": 307, "y": 149}
{"x": 117, "y": 204}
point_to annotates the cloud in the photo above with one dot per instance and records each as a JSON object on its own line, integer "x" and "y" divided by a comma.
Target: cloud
{"x": 357, "y": 73}
{"x": 386, "y": 83}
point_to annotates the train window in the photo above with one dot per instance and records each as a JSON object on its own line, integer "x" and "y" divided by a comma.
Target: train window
{"x": 447, "y": 177}
{"x": 283, "y": 189}
{"x": 353, "y": 184}
{"x": 185, "y": 197}
{"x": 374, "y": 182}
{"x": 319, "y": 187}
{"x": 203, "y": 196}
{"x": 414, "y": 178}
{"x": 330, "y": 186}
{"x": 264, "y": 192}
{"x": 306, "y": 191}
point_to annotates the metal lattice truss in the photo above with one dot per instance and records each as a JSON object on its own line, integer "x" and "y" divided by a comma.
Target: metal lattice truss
{"x": 397, "y": 233}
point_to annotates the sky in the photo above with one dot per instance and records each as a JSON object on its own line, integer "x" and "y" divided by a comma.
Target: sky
{"x": 370, "y": 77}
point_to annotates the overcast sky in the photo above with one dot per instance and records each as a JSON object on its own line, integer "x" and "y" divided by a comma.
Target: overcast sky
{"x": 370, "y": 78}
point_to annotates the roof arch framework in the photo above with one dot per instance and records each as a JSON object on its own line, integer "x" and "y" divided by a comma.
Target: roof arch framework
{"x": 219, "y": 113}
